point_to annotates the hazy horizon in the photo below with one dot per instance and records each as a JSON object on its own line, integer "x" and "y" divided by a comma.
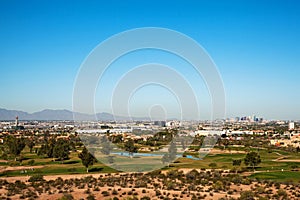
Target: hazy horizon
{"x": 147, "y": 117}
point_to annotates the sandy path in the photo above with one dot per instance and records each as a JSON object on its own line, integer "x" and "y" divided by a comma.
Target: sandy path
{"x": 219, "y": 151}
{"x": 70, "y": 176}
{"x": 283, "y": 159}
{"x": 287, "y": 160}
{"x": 53, "y": 177}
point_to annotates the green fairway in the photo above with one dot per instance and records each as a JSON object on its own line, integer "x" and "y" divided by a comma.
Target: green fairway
{"x": 61, "y": 169}
{"x": 222, "y": 160}
{"x": 278, "y": 176}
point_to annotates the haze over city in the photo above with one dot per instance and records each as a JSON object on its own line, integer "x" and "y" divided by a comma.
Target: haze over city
{"x": 254, "y": 44}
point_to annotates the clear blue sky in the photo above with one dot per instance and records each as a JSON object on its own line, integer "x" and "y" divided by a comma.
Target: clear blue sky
{"x": 255, "y": 44}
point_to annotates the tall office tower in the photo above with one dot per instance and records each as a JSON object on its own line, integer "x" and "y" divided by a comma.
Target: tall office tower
{"x": 17, "y": 121}
{"x": 291, "y": 125}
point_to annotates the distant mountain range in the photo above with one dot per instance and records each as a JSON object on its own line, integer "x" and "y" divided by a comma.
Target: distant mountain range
{"x": 49, "y": 114}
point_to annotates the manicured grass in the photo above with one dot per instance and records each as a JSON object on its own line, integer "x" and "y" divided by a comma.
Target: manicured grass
{"x": 61, "y": 169}
{"x": 278, "y": 176}
{"x": 223, "y": 161}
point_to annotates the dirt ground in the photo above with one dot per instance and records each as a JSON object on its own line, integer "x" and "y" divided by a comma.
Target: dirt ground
{"x": 123, "y": 192}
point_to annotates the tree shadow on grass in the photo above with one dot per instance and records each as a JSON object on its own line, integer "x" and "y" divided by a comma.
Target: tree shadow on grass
{"x": 72, "y": 162}
{"x": 96, "y": 169}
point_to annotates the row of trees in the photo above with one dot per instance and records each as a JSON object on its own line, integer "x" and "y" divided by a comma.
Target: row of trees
{"x": 50, "y": 146}
{"x": 53, "y": 148}
{"x": 14, "y": 146}
{"x": 60, "y": 149}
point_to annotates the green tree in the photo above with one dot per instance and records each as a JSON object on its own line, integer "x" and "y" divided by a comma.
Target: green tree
{"x": 130, "y": 147}
{"x": 30, "y": 143}
{"x": 106, "y": 148}
{"x": 87, "y": 158}
{"x": 48, "y": 147}
{"x": 172, "y": 151}
{"x": 225, "y": 143}
{"x": 171, "y": 155}
{"x": 61, "y": 150}
{"x": 252, "y": 159}
{"x": 236, "y": 163}
{"x": 212, "y": 165}
{"x": 15, "y": 146}
{"x": 43, "y": 150}
{"x": 116, "y": 138}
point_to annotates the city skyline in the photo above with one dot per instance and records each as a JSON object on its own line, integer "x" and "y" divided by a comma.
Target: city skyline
{"x": 64, "y": 114}
{"x": 255, "y": 46}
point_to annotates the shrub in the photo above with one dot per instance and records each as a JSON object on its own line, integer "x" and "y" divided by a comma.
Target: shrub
{"x": 282, "y": 192}
{"x": 294, "y": 167}
{"x": 247, "y": 195}
{"x": 13, "y": 163}
{"x": 91, "y": 197}
{"x": 260, "y": 190}
{"x": 105, "y": 193}
{"x": 263, "y": 198}
{"x": 36, "y": 177}
{"x": 218, "y": 185}
{"x": 145, "y": 198}
{"x": 67, "y": 197}
{"x": 212, "y": 165}
{"x": 230, "y": 192}
{"x": 31, "y": 162}
{"x": 157, "y": 193}
{"x": 114, "y": 192}
{"x": 277, "y": 185}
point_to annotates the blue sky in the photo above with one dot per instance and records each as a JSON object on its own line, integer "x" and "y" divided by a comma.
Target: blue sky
{"x": 255, "y": 45}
